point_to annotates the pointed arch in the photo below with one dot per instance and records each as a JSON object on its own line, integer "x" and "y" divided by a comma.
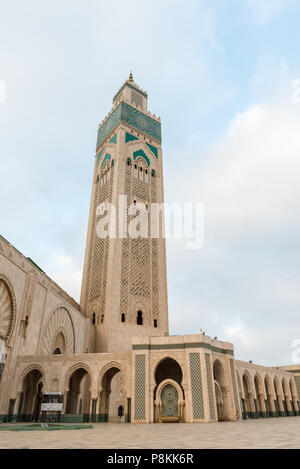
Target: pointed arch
{"x": 142, "y": 154}
{"x": 60, "y": 321}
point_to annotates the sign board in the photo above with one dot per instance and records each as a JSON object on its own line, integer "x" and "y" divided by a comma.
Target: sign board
{"x": 51, "y": 407}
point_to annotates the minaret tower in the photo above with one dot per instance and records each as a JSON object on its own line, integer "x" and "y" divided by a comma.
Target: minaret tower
{"x": 124, "y": 288}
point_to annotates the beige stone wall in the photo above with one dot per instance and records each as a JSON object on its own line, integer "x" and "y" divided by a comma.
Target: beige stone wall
{"x": 41, "y": 310}
{"x": 195, "y": 354}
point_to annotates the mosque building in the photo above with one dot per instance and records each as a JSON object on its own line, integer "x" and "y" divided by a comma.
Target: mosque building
{"x": 111, "y": 358}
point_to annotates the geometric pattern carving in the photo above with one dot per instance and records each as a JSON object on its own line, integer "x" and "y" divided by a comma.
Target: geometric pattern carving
{"x": 7, "y": 311}
{"x": 140, "y": 381}
{"x": 210, "y": 387}
{"x": 139, "y": 256}
{"x": 98, "y": 252}
{"x": 235, "y": 393}
{"x": 196, "y": 380}
{"x": 59, "y": 322}
{"x": 136, "y": 98}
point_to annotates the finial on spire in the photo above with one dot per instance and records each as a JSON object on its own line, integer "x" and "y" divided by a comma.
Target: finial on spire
{"x": 130, "y": 76}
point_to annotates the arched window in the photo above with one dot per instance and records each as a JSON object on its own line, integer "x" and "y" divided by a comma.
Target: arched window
{"x": 98, "y": 178}
{"x": 120, "y": 411}
{"x": 128, "y": 162}
{"x": 123, "y": 318}
{"x": 153, "y": 173}
{"x": 102, "y": 318}
{"x": 155, "y": 322}
{"x": 57, "y": 351}
{"x": 93, "y": 318}
{"x": 113, "y": 163}
{"x": 135, "y": 166}
{"x": 141, "y": 169}
{"x": 139, "y": 318}
{"x": 146, "y": 171}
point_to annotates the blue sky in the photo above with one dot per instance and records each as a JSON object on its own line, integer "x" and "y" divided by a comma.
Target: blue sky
{"x": 221, "y": 75}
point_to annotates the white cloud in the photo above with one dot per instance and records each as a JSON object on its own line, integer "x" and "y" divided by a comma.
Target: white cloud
{"x": 249, "y": 181}
{"x": 243, "y": 285}
{"x": 264, "y": 10}
{"x": 66, "y": 273}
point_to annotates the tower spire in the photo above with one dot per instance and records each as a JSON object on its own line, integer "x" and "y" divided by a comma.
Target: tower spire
{"x": 130, "y": 76}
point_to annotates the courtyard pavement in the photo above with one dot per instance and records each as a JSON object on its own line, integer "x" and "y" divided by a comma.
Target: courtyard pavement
{"x": 262, "y": 433}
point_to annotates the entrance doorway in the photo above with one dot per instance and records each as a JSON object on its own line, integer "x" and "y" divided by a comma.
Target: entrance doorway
{"x": 30, "y": 404}
{"x": 113, "y": 397}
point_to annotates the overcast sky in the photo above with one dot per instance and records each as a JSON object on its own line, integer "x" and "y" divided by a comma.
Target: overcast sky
{"x": 222, "y": 74}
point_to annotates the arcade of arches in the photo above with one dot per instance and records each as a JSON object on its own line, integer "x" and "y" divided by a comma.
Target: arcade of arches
{"x": 113, "y": 394}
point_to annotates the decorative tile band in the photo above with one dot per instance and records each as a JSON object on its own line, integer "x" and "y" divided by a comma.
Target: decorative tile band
{"x": 99, "y": 155}
{"x": 235, "y": 391}
{"x": 107, "y": 157}
{"x": 153, "y": 149}
{"x": 129, "y": 115}
{"x": 181, "y": 346}
{"x": 113, "y": 139}
{"x": 129, "y": 137}
{"x": 142, "y": 154}
{"x": 210, "y": 387}
{"x": 196, "y": 381}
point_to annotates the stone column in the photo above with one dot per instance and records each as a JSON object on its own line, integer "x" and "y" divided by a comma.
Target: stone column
{"x": 295, "y": 404}
{"x": 280, "y": 405}
{"x": 271, "y": 403}
{"x": 262, "y": 404}
{"x": 93, "y": 409}
{"x": 151, "y": 401}
{"x": 288, "y": 405}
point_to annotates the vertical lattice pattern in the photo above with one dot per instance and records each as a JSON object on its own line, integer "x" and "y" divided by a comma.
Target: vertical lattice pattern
{"x": 141, "y": 189}
{"x": 155, "y": 301}
{"x": 136, "y": 98}
{"x": 140, "y": 267}
{"x": 140, "y": 392}
{"x": 235, "y": 392}
{"x": 125, "y": 279}
{"x": 139, "y": 272}
{"x": 196, "y": 380}
{"x": 155, "y": 298}
{"x": 98, "y": 255}
{"x": 210, "y": 387}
